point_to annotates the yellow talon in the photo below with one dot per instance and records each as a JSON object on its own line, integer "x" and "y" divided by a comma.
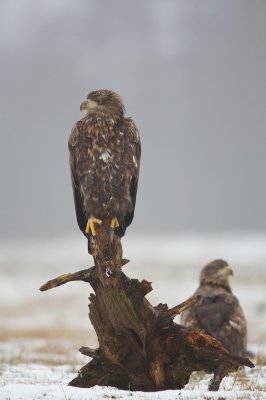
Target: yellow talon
{"x": 114, "y": 223}
{"x": 90, "y": 225}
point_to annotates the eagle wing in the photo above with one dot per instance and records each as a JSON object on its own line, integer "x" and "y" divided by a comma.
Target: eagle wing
{"x": 233, "y": 331}
{"x": 130, "y": 173}
{"x": 81, "y": 217}
{"x": 221, "y": 316}
{"x": 133, "y": 155}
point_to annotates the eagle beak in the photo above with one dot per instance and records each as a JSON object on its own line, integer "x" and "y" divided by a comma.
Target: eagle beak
{"x": 87, "y": 105}
{"x": 228, "y": 271}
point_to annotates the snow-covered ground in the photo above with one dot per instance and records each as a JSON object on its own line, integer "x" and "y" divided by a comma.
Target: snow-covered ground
{"x": 41, "y": 382}
{"x": 41, "y": 332}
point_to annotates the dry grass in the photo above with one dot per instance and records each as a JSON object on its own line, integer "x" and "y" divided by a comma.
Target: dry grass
{"x": 261, "y": 358}
{"x": 45, "y": 334}
{"x": 50, "y": 348}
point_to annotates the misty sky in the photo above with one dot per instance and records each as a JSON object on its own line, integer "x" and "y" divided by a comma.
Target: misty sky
{"x": 192, "y": 75}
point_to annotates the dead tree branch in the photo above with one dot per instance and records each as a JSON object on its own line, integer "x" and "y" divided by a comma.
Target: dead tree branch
{"x": 83, "y": 275}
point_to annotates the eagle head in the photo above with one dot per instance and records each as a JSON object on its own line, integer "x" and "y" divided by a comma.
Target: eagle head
{"x": 216, "y": 272}
{"x": 106, "y": 101}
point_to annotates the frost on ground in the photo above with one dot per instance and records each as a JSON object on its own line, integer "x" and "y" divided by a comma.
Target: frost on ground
{"x": 41, "y": 332}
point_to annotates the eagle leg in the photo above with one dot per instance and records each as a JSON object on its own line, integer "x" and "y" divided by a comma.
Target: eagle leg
{"x": 113, "y": 226}
{"x": 90, "y": 225}
{"x": 219, "y": 374}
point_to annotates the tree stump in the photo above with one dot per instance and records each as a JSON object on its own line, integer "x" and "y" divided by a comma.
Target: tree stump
{"x": 140, "y": 347}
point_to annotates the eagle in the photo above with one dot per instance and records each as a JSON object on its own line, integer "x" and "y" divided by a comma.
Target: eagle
{"x": 218, "y": 311}
{"x": 104, "y": 154}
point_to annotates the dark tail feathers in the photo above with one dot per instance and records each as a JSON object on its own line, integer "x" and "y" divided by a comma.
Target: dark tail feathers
{"x": 243, "y": 361}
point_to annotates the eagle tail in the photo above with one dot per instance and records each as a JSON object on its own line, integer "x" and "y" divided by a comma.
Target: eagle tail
{"x": 89, "y": 246}
{"x": 243, "y": 361}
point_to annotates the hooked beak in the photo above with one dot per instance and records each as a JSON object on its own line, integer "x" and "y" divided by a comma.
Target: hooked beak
{"x": 88, "y": 104}
{"x": 228, "y": 271}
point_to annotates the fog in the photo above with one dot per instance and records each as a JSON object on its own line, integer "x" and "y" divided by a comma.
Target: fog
{"x": 192, "y": 75}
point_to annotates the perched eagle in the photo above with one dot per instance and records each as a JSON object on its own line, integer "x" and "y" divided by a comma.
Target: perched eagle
{"x": 218, "y": 311}
{"x": 105, "y": 152}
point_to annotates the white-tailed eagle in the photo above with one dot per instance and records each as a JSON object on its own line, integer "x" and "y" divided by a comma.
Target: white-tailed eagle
{"x": 105, "y": 152}
{"x": 218, "y": 311}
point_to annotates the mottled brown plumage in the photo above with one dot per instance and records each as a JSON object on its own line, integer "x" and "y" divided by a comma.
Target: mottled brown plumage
{"x": 218, "y": 311}
{"x": 104, "y": 160}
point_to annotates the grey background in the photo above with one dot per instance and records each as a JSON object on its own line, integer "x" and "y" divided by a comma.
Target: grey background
{"x": 192, "y": 75}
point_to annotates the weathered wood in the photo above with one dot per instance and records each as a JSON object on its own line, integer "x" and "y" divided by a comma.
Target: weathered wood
{"x": 140, "y": 347}
{"x": 87, "y": 351}
{"x": 83, "y": 275}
